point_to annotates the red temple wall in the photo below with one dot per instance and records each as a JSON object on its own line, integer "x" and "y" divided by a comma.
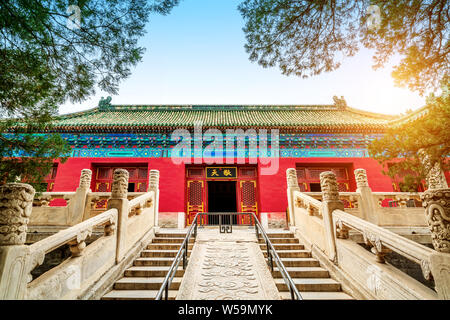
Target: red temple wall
{"x": 171, "y": 184}
{"x": 271, "y": 188}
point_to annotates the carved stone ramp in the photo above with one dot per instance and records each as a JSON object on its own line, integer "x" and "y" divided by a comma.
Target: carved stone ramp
{"x": 227, "y": 266}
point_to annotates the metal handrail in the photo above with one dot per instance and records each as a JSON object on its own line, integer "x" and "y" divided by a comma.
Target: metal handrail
{"x": 271, "y": 256}
{"x": 181, "y": 254}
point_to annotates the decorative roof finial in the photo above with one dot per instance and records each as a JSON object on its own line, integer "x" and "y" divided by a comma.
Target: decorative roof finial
{"x": 104, "y": 103}
{"x": 340, "y": 103}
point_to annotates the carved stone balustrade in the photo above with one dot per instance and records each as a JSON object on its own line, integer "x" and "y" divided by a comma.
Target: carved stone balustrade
{"x": 312, "y": 206}
{"x": 382, "y": 241}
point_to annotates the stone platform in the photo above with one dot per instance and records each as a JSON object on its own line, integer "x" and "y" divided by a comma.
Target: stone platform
{"x": 227, "y": 266}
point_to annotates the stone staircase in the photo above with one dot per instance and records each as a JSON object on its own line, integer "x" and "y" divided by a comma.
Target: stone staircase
{"x": 312, "y": 281}
{"x": 143, "y": 280}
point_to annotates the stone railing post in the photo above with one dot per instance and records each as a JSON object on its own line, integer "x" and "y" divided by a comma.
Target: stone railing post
{"x": 119, "y": 201}
{"x": 366, "y": 202}
{"x": 153, "y": 185}
{"x": 437, "y": 210}
{"x": 16, "y": 201}
{"x": 292, "y": 185}
{"x": 77, "y": 205}
{"x": 330, "y": 202}
{"x": 435, "y": 177}
{"x": 436, "y": 201}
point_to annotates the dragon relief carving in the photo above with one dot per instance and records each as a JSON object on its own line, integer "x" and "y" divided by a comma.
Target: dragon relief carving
{"x": 227, "y": 273}
{"x": 434, "y": 175}
{"x": 437, "y": 213}
{"x": 16, "y": 200}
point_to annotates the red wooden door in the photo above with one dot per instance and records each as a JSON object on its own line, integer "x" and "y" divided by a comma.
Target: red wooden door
{"x": 195, "y": 193}
{"x": 247, "y": 193}
{"x": 249, "y": 203}
{"x": 195, "y": 199}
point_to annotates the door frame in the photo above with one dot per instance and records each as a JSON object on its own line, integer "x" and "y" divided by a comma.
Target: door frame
{"x": 237, "y": 180}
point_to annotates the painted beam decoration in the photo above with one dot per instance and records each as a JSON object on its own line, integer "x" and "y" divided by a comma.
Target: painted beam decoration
{"x": 160, "y": 145}
{"x": 221, "y": 172}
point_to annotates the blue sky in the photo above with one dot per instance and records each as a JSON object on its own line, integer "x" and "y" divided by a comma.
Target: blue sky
{"x": 196, "y": 55}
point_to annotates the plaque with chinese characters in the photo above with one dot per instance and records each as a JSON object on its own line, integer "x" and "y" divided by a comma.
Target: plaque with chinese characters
{"x": 221, "y": 172}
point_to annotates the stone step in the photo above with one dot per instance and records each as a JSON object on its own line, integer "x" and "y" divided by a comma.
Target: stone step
{"x": 160, "y": 253}
{"x": 288, "y": 246}
{"x": 140, "y": 283}
{"x": 167, "y": 246}
{"x": 151, "y": 271}
{"x": 302, "y": 272}
{"x": 170, "y": 235}
{"x": 153, "y": 261}
{"x": 170, "y": 240}
{"x": 300, "y": 262}
{"x": 280, "y": 235}
{"x": 286, "y": 295}
{"x": 279, "y": 240}
{"x": 310, "y": 284}
{"x": 290, "y": 253}
{"x": 136, "y": 295}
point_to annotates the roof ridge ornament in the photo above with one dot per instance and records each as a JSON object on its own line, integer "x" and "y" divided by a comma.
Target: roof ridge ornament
{"x": 341, "y": 104}
{"x": 105, "y": 104}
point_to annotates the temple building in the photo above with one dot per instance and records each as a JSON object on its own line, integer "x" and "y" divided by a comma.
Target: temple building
{"x": 177, "y": 140}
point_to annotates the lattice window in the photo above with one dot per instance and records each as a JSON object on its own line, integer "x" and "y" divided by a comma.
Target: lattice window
{"x": 248, "y": 193}
{"x": 132, "y": 172}
{"x": 301, "y": 173}
{"x": 195, "y": 193}
{"x": 340, "y": 173}
{"x": 343, "y": 187}
{"x": 315, "y": 173}
{"x": 102, "y": 187}
{"x": 103, "y": 173}
{"x": 53, "y": 172}
{"x": 142, "y": 173}
{"x": 142, "y": 187}
{"x": 101, "y": 204}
